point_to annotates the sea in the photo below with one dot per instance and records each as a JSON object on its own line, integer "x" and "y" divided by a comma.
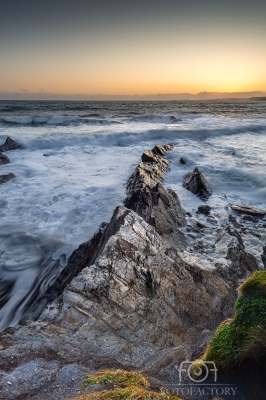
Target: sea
{"x": 75, "y": 160}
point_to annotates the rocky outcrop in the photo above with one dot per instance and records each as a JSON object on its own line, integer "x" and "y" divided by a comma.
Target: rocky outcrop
{"x": 7, "y": 177}
{"x": 3, "y": 159}
{"x": 9, "y": 144}
{"x": 138, "y": 280}
{"x": 147, "y": 292}
{"x": 158, "y": 206}
{"x": 196, "y": 183}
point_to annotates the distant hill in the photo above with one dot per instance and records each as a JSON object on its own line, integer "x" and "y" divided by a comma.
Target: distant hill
{"x": 258, "y": 98}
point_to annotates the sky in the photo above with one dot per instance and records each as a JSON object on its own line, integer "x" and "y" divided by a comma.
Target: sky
{"x": 81, "y": 49}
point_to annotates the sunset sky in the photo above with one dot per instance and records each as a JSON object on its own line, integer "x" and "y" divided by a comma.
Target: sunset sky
{"x": 79, "y": 48}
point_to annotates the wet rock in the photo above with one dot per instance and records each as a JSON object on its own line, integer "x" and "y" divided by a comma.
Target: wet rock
{"x": 204, "y": 209}
{"x": 9, "y": 144}
{"x": 241, "y": 261}
{"x": 174, "y": 119}
{"x": 249, "y": 218}
{"x": 158, "y": 206}
{"x": 3, "y": 159}
{"x": 198, "y": 223}
{"x": 196, "y": 183}
{"x": 7, "y": 177}
{"x": 263, "y": 256}
{"x": 182, "y": 160}
{"x": 151, "y": 170}
{"x": 255, "y": 212}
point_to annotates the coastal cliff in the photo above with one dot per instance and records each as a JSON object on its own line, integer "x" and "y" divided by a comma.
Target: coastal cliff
{"x": 146, "y": 292}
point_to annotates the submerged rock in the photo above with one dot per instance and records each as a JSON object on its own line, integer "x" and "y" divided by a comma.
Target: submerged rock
{"x": 257, "y": 212}
{"x": 196, "y": 183}
{"x": 204, "y": 209}
{"x": 7, "y": 177}
{"x": 3, "y": 159}
{"x": 9, "y": 144}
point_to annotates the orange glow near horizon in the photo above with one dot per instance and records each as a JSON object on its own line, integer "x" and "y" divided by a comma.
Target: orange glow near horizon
{"x": 138, "y": 63}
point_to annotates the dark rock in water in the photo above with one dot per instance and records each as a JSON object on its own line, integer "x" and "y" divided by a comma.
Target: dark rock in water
{"x": 263, "y": 256}
{"x": 196, "y": 183}
{"x": 151, "y": 170}
{"x": 6, "y": 178}
{"x": 182, "y": 160}
{"x": 204, "y": 209}
{"x": 249, "y": 218}
{"x": 9, "y": 144}
{"x": 46, "y": 155}
{"x": 198, "y": 223}
{"x": 148, "y": 198}
{"x": 257, "y": 212}
{"x": 3, "y": 159}
{"x": 174, "y": 119}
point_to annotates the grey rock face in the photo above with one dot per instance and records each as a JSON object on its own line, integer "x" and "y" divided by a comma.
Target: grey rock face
{"x": 196, "y": 183}
{"x": 7, "y": 177}
{"x": 9, "y": 144}
{"x": 3, "y": 159}
{"x": 138, "y": 281}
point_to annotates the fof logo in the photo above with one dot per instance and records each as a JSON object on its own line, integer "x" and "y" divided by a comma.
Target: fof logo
{"x": 197, "y": 374}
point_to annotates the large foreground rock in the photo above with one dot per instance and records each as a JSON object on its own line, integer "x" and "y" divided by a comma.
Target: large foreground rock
{"x": 196, "y": 183}
{"x": 139, "y": 281}
{"x": 9, "y": 144}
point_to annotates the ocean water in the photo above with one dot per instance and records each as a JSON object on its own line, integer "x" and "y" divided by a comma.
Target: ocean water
{"x": 76, "y": 158}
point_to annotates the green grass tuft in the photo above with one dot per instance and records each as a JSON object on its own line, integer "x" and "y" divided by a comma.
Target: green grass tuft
{"x": 118, "y": 377}
{"x": 127, "y": 386}
{"x": 244, "y": 336}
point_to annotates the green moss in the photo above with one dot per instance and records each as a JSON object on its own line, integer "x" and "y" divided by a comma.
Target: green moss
{"x": 149, "y": 287}
{"x": 244, "y": 335}
{"x": 60, "y": 302}
{"x": 256, "y": 281}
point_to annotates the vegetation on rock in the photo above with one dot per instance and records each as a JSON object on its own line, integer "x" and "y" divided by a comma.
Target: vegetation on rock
{"x": 244, "y": 336}
{"x": 127, "y": 386}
